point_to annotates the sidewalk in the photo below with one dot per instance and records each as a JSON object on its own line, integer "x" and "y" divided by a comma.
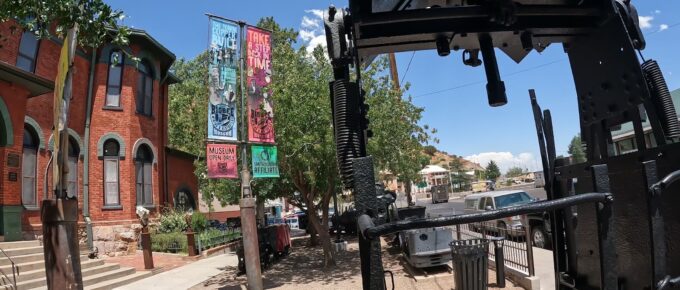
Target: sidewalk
{"x": 185, "y": 276}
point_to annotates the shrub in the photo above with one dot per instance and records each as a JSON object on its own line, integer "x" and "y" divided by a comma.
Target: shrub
{"x": 169, "y": 242}
{"x": 172, "y": 221}
{"x": 199, "y": 222}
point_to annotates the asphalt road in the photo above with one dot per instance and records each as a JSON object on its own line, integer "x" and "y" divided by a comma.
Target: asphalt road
{"x": 456, "y": 205}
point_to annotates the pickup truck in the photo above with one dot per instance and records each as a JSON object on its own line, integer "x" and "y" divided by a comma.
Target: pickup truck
{"x": 539, "y": 225}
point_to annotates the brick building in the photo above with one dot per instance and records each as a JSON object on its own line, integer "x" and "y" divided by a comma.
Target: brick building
{"x": 118, "y": 121}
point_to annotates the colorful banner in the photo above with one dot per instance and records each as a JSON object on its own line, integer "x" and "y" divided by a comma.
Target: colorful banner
{"x": 259, "y": 69}
{"x": 222, "y": 161}
{"x": 223, "y": 62}
{"x": 264, "y": 161}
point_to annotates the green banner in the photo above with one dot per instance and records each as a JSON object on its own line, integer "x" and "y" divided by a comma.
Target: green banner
{"x": 264, "y": 161}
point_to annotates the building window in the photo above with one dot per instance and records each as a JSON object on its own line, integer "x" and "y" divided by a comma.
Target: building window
{"x": 626, "y": 146}
{"x": 115, "y": 79}
{"x": 144, "y": 89}
{"x": 28, "y": 168}
{"x": 72, "y": 181}
{"x": 111, "y": 173}
{"x": 143, "y": 162}
{"x": 28, "y": 51}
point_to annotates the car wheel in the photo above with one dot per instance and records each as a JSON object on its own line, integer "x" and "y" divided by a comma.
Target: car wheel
{"x": 538, "y": 237}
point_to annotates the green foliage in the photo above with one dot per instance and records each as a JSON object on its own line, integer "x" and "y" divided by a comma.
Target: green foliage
{"x": 516, "y": 171}
{"x": 169, "y": 242}
{"x": 430, "y": 150}
{"x": 508, "y": 182}
{"x": 480, "y": 174}
{"x": 492, "y": 172}
{"x": 576, "y": 150}
{"x": 172, "y": 221}
{"x": 96, "y": 21}
{"x": 199, "y": 222}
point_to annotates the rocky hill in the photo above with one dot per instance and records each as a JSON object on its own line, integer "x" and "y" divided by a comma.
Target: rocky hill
{"x": 442, "y": 159}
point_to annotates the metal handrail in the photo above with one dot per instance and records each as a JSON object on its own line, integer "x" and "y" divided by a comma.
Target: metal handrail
{"x": 14, "y": 270}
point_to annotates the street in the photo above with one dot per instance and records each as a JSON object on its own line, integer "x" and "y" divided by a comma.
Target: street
{"x": 456, "y": 204}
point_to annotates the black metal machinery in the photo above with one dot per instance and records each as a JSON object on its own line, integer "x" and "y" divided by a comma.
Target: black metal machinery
{"x": 612, "y": 218}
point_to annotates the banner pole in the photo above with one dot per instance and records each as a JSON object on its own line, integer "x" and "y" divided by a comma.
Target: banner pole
{"x": 248, "y": 225}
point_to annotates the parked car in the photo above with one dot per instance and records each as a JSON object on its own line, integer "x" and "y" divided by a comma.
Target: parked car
{"x": 482, "y": 186}
{"x": 511, "y": 226}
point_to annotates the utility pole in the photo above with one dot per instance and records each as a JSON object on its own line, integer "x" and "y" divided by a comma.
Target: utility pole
{"x": 60, "y": 215}
{"x": 393, "y": 72}
{"x": 251, "y": 248}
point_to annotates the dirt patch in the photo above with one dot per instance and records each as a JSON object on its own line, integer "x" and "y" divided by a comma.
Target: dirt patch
{"x": 303, "y": 270}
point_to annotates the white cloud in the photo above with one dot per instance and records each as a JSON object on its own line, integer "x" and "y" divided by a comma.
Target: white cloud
{"x": 646, "y": 21}
{"x": 663, "y": 27}
{"x": 657, "y": 11}
{"x": 312, "y": 32}
{"x": 506, "y": 160}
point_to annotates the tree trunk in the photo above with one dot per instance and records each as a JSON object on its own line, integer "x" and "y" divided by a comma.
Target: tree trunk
{"x": 321, "y": 228}
{"x": 313, "y": 237}
{"x": 407, "y": 190}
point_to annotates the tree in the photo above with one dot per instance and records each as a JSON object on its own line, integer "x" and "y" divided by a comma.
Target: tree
{"x": 515, "y": 172}
{"x": 96, "y": 21}
{"x": 576, "y": 150}
{"x": 430, "y": 150}
{"x": 492, "y": 171}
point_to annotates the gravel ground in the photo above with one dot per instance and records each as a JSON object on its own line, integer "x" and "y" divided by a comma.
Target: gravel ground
{"x": 303, "y": 270}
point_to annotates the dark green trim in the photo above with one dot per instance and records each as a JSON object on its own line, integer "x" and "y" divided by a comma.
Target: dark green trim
{"x": 72, "y": 133}
{"x": 34, "y": 84}
{"x": 10, "y": 222}
{"x": 106, "y": 53}
{"x": 38, "y": 131}
{"x": 7, "y": 123}
{"x": 172, "y": 79}
{"x": 151, "y": 59}
{"x": 146, "y": 141}
{"x": 112, "y": 207}
{"x": 107, "y": 136}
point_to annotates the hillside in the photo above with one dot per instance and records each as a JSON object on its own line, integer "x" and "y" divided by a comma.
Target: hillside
{"x": 442, "y": 159}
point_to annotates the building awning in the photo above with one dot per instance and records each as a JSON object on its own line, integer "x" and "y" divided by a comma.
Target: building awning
{"x": 35, "y": 85}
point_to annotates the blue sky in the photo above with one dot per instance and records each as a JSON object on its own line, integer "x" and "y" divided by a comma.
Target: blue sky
{"x": 453, "y": 95}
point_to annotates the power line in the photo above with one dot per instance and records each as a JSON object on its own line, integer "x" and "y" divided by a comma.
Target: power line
{"x": 407, "y": 67}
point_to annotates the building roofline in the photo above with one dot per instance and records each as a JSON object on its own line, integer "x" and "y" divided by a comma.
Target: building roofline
{"x": 35, "y": 84}
{"x": 147, "y": 36}
{"x": 179, "y": 153}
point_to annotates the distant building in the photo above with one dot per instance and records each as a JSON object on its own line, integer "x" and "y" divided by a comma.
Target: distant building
{"x": 624, "y": 137}
{"x": 431, "y": 175}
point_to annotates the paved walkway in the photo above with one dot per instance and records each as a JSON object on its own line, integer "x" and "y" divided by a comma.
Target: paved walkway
{"x": 185, "y": 276}
{"x": 543, "y": 264}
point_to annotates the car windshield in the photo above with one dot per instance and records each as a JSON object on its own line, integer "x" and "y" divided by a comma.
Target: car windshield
{"x": 512, "y": 199}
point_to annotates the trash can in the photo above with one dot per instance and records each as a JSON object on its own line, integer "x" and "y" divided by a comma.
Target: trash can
{"x": 470, "y": 264}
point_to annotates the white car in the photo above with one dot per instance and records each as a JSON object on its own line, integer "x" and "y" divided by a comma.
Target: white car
{"x": 480, "y": 202}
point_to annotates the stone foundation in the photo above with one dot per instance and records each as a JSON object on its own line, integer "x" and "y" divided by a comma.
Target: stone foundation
{"x": 116, "y": 240}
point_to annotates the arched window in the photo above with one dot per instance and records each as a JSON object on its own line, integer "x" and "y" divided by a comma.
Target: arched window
{"x": 115, "y": 79}
{"x": 28, "y": 51}
{"x": 111, "y": 173}
{"x": 29, "y": 166}
{"x": 143, "y": 162}
{"x": 144, "y": 88}
{"x": 72, "y": 181}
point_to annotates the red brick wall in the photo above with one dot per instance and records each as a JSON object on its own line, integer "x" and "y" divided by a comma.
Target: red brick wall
{"x": 14, "y": 98}
{"x": 181, "y": 174}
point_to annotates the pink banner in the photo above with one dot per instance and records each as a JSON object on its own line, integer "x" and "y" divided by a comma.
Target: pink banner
{"x": 259, "y": 69}
{"x": 222, "y": 161}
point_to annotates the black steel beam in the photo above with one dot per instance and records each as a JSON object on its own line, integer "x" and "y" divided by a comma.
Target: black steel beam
{"x": 541, "y": 206}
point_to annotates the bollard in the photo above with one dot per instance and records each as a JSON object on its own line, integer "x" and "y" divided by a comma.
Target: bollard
{"x": 146, "y": 248}
{"x": 500, "y": 261}
{"x": 191, "y": 243}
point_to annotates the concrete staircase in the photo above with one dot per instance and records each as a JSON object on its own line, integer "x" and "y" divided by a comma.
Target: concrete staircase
{"x": 29, "y": 258}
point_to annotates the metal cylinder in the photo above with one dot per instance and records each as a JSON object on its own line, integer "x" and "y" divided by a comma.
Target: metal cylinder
{"x": 470, "y": 264}
{"x": 495, "y": 88}
{"x": 348, "y": 132}
{"x": 661, "y": 97}
{"x": 500, "y": 262}
{"x": 146, "y": 248}
{"x": 251, "y": 248}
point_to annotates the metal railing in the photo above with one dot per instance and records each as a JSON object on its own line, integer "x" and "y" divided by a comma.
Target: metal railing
{"x": 14, "y": 271}
{"x": 517, "y": 248}
{"x": 205, "y": 241}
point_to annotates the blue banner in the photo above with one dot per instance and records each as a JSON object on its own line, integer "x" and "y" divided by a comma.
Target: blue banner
{"x": 223, "y": 58}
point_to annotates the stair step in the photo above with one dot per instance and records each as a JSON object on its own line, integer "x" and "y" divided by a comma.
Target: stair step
{"x": 114, "y": 274}
{"x": 39, "y": 264}
{"x": 88, "y": 273}
{"x": 22, "y": 259}
{"x": 110, "y": 284}
{"x": 19, "y": 244}
{"x": 23, "y": 251}
{"x": 25, "y": 275}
